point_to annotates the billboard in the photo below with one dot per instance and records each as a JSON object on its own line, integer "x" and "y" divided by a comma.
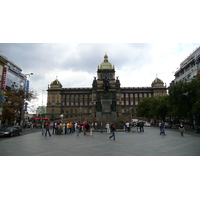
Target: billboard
{"x": 14, "y": 81}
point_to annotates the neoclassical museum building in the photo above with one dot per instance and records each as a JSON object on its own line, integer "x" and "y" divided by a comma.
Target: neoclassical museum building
{"x": 105, "y": 101}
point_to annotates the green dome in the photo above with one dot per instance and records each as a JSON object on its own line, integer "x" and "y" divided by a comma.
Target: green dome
{"x": 56, "y": 82}
{"x": 157, "y": 80}
{"x": 105, "y": 65}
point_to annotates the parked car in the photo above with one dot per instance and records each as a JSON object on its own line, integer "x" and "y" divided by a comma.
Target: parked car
{"x": 167, "y": 125}
{"x": 147, "y": 124}
{"x": 10, "y": 131}
{"x": 19, "y": 128}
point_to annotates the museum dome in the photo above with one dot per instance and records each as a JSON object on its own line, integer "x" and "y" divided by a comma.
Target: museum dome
{"x": 106, "y": 65}
{"x": 157, "y": 80}
{"x": 56, "y": 82}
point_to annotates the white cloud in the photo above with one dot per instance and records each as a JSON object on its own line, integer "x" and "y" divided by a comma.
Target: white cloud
{"x": 75, "y": 65}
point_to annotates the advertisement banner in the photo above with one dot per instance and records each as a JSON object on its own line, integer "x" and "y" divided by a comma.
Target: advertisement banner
{"x": 27, "y": 85}
{"x": 3, "y": 83}
{"x": 14, "y": 81}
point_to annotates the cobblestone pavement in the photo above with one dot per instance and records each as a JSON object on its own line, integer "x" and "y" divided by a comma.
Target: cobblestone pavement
{"x": 148, "y": 143}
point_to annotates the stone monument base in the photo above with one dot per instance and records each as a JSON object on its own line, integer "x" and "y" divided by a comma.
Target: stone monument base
{"x": 106, "y": 115}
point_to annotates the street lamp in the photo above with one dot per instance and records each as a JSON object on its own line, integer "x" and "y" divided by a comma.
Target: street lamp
{"x": 131, "y": 113}
{"x": 28, "y": 74}
{"x": 26, "y": 89}
{"x": 42, "y": 96}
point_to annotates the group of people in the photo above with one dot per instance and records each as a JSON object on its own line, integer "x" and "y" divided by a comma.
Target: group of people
{"x": 87, "y": 128}
{"x": 67, "y": 128}
{"x": 134, "y": 126}
{"x": 76, "y": 127}
{"x": 162, "y": 128}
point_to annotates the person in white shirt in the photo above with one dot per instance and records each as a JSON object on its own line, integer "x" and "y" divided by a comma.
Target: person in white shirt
{"x": 108, "y": 127}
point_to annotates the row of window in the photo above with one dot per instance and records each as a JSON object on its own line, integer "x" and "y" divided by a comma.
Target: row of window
{"x": 129, "y": 103}
{"x": 86, "y": 96}
{"x": 130, "y": 111}
{"x": 75, "y": 111}
{"x": 77, "y": 96}
{"x": 86, "y": 111}
{"x": 76, "y": 103}
{"x": 127, "y": 95}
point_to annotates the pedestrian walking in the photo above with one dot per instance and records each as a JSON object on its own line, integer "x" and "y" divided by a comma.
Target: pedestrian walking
{"x": 162, "y": 128}
{"x": 113, "y": 129}
{"x": 141, "y": 127}
{"x": 159, "y": 124}
{"x": 128, "y": 126}
{"x": 96, "y": 126}
{"x": 42, "y": 128}
{"x": 135, "y": 126}
{"x": 65, "y": 127}
{"x": 77, "y": 128}
{"x": 54, "y": 126}
{"x": 70, "y": 127}
{"x": 138, "y": 126}
{"x": 84, "y": 128}
{"x": 181, "y": 128}
{"x": 108, "y": 127}
{"x": 47, "y": 129}
{"x": 101, "y": 126}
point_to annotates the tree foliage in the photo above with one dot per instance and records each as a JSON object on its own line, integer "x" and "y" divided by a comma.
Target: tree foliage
{"x": 154, "y": 107}
{"x": 183, "y": 101}
{"x": 13, "y": 105}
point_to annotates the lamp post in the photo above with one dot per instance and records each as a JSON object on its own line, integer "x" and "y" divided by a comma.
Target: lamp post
{"x": 130, "y": 113}
{"x": 42, "y": 96}
{"x": 26, "y": 88}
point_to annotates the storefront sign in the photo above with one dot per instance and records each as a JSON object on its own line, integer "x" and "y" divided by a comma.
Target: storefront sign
{"x": 16, "y": 71}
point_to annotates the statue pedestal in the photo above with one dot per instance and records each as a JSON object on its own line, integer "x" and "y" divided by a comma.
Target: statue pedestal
{"x": 106, "y": 115}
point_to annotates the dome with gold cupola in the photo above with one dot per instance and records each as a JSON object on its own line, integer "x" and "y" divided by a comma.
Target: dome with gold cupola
{"x": 106, "y": 65}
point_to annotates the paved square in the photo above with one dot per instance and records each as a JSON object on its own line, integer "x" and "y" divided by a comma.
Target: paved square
{"x": 148, "y": 143}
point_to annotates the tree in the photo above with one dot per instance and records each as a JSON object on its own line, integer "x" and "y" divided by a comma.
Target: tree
{"x": 154, "y": 107}
{"x": 13, "y": 106}
{"x": 185, "y": 99}
{"x": 145, "y": 108}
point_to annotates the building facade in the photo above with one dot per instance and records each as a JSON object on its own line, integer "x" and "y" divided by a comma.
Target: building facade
{"x": 105, "y": 100}
{"x": 11, "y": 76}
{"x": 40, "y": 111}
{"x": 189, "y": 68}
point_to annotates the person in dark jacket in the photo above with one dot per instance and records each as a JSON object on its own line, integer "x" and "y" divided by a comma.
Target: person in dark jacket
{"x": 181, "y": 128}
{"x": 162, "y": 128}
{"x": 113, "y": 129}
{"x": 47, "y": 129}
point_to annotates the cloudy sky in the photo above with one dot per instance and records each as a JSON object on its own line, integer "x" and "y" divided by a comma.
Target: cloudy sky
{"x": 68, "y": 40}
{"x": 75, "y": 64}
